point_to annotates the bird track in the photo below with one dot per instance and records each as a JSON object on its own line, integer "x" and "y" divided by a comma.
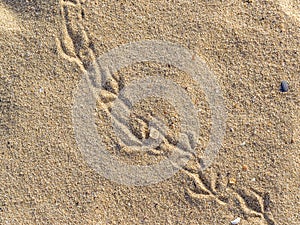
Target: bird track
{"x": 216, "y": 187}
{"x": 74, "y": 45}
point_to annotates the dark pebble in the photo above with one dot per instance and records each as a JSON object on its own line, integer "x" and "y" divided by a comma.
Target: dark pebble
{"x": 284, "y": 87}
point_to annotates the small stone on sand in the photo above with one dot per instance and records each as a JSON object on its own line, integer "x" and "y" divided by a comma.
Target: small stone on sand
{"x": 236, "y": 221}
{"x": 244, "y": 167}
{"x": 232, "y": 180}
{"x": 284, "y": 87}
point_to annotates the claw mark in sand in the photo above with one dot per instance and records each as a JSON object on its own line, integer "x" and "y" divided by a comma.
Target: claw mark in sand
{"x": 251, "y": 202}
{"x": 73, "y": 43}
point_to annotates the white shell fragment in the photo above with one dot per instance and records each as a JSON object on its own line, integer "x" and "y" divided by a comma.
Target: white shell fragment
{"x": 236, "y": 221}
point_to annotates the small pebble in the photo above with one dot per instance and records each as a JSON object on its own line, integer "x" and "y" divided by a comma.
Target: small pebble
{"x": 232, "y": 180}
{"x": 284, "y": 87}
{"x": 236, "y": 221}
{"x": 244, "y": 167}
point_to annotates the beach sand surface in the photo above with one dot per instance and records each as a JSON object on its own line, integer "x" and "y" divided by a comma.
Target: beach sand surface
{"x": 48, "y": 47}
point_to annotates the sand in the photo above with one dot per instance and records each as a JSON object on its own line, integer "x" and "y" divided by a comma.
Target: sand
{"x": 49, "y": 47}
